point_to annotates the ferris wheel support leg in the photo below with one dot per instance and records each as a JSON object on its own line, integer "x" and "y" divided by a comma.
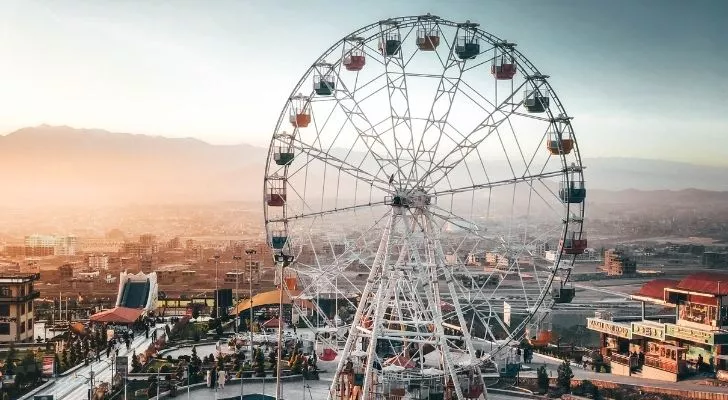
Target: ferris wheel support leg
{"x": 351, "y": 340}
{"x": 440, "y": 264}
{"x": 433, "y": 297}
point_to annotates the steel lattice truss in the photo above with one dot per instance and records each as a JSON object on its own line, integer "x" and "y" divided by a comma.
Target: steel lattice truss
{"x": 418, "y": 173}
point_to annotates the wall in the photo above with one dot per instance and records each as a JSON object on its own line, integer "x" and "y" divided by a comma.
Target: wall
{"x": 658, "y": 374}
{"x": 619, "y": 369}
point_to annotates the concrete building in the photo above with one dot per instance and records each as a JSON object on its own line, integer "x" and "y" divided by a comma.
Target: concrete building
{"x": 98, "y": 262}
{"x": 691, "y": 340}
{"x": 49, "y": 245}
{"x": 617, "y": 263}
{"x": 16, "y": 307}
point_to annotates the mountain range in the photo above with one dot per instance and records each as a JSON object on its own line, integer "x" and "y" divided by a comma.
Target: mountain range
{"x": 62, "y": 165}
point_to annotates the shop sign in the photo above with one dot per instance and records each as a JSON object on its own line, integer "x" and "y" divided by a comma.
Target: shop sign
{"x": 648, "y": 330}
{"x": 48, "y": 366}
{"x": 609, "y": 327}
{"x": 693, "y": 335}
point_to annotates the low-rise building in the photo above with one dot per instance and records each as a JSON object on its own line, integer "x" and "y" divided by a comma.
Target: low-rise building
{"x": 617, "y": 262}
{"x": 98, "y": 262}
{"x": 691, "y": 339}
{"x": 16, "y": 307}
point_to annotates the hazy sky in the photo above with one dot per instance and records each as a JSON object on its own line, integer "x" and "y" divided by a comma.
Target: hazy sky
{"x": 643, "y": 78}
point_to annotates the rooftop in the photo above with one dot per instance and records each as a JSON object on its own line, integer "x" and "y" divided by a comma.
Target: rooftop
{"x": 712, "y": 283}
{"x": 18, "y": 278}
{"x": 705, "y": 282}
{"x": 655, "y": 289}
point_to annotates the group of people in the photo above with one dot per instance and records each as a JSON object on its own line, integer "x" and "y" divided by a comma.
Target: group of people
{"x": 214, "y": 376}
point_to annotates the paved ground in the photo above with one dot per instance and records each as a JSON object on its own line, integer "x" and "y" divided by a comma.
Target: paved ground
{"x": 75, "y": 385}
{"x": 314, "y": 390}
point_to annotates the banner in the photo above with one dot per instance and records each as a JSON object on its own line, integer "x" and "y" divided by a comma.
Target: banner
{"x": 48, "y": 366}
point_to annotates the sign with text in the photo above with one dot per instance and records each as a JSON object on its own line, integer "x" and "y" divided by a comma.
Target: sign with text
{"x": 653, "y": 331}
{"x": 693, "y": 335}
{"x": 48, "y": 365}
{"x": 122, "y": 365}
{"x": 609, "y": 327}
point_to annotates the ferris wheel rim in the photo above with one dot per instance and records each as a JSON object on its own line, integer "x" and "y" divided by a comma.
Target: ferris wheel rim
{"x": 492, "y": 39}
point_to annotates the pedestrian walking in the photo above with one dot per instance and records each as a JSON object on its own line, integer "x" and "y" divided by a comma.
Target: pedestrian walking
{"x": 221, "y": 376}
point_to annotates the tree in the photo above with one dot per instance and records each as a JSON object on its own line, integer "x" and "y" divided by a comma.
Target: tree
{"x": 590, "y": 389}
{"x": 136, "y": 366}
{"x": 57, "y": 362}
{"x": 259, "y": 363}
{"x": 542, "y": 379}
{"x": 563, "y": 380}
{"x": 64, "y": 358}
{"x": 12, "y": 353}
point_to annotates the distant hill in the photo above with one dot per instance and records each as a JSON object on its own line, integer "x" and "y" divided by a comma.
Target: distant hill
{"x": 61, "y": 165}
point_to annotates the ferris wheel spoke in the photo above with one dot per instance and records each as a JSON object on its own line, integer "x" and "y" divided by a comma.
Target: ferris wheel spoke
{"x": 342, "y": 165}
{"x": 304, "y": 215}
{"x": 469, "y": 142}
{"x": 504, "y": 182}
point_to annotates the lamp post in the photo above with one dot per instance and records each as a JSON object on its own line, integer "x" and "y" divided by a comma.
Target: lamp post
{"x": 89, "y": 379}
{"x": 217, "y": 292}
{"x": 283, "y": 261}
{"x": 250, "y": 253}
{"x": 237, "y": 281}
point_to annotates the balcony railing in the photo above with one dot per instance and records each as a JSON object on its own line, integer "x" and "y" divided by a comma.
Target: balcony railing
{"x": 20, "y": 299}
{"x": 661, "y": 363}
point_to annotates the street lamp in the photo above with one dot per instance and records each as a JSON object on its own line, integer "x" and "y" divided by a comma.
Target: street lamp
{"x": 237, "y": 281}
{"x": 89, "y": 379}
{"x": 217, "y": 291}
{"x": 283, "y": 261}
{"x": 250, "y": 253}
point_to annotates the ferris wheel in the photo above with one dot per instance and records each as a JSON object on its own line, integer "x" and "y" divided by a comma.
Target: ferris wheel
{"x": 426, "y": 179}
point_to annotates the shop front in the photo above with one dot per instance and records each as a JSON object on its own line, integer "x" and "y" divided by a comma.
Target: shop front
{"x": 614, "y": 344}
{"x": 703, "y": 347}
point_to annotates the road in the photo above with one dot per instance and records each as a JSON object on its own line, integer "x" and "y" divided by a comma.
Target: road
{"x": 75, "y": 385}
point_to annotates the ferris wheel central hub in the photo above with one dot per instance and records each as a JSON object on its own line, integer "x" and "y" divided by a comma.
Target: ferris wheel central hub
{"x": 413, "y": 198}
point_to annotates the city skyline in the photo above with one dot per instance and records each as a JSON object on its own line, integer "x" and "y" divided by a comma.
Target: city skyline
{"x": 195, "y": 70}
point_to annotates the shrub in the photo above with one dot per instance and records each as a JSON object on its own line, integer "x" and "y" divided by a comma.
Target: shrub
{"x": 563, "y": 381}
{"x": 542, "y": 379}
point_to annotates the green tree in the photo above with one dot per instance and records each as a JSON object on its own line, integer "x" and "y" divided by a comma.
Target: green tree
{"x": 565, "y": 374}
{"x": 57, "y": 362}
{"x": 542, "y": 379}
{"x": 136, "y": 365}
{"x": 64, "y": 358}
{"x": 259, "y": 363}
{"x": 10, "y": 358}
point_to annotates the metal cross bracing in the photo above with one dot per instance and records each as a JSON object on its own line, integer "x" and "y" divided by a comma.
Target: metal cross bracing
{"x": 424, "y": 153}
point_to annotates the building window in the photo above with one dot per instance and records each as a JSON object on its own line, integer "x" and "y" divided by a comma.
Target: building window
{"x": 22, "y": 291}
{"x": 30, "y": 306}
{"x": 4, "y": 328}
{"x": 4, "y": 291}
{"x": 30, "y": 324}
{"x": 22, "y": 327}
{"x": 22, "y": 309}
{"x": 4, "y": 310}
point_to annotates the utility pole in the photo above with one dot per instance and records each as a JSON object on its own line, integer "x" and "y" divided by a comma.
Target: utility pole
{"x": 250, "y": 253}
{"x": 237, "y": 282}
{"x": 217, "y": 292}
{"x": 283, "y": 261}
